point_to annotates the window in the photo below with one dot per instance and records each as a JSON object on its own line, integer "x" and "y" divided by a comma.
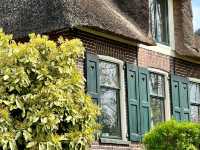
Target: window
{"x": 106, "y": 86}
{"x": 159, "y": 21}
{"x": 196, "y": 14}
{"x": 157, "y": 97}
{"x": 109, "y": 99}
{"x": 195, "y": 101}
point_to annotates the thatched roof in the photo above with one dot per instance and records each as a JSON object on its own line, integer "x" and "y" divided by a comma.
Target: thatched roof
{"x": 21, "y": 17}
{"x": 186, "y": 42}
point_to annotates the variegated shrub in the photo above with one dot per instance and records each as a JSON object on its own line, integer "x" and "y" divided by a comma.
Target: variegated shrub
{"x": 43, "y": 105}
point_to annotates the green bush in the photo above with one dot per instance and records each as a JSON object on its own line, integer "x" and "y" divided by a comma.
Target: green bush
{"x": 173, "y": 135}
{"x": 43, "y": 105}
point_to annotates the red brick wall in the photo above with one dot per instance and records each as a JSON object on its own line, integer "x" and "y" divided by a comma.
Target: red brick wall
{"x": 102, "y": 46}
{"x": 150, "y": 59}
{"x": 147, "y": 58}
{"x": 133, "y": 146}
{"x": 141, "y": 57}
{"x": 186, "y": 68}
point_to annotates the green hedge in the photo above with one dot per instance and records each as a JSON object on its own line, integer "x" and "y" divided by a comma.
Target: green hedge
{"x": 173, "y": 135}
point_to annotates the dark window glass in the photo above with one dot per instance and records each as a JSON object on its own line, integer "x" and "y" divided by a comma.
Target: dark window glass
{"x": 109, "y": 100}
{"x": 159, "y": 20}
{"x": 157, "y": 93}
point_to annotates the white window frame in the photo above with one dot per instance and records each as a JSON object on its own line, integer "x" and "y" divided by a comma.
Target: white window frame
{"x": 194, "y": 80}
{"x": 161, "y": 48}
{"x": 167, "y": 107}
{"x": 123, "y": 108}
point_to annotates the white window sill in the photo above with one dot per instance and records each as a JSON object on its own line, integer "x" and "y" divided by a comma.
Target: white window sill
{"x": 160, "y": 48}
{"x": 114, "y": 141}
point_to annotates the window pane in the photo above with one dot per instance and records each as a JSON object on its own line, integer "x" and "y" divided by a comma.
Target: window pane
{"x": 198, "y": 94}
{"x": 157, "y": 86}
{"x": 159, "y": 20}
{"x": 195, "y": 113}
{"x": 153, "y": 84}
{"x": 109, "y": 75}
{"x": 192, "y": 92}
{"x": 110, "y": 117}
{"x": 157, "y": 110}
{"x": 196, "y": 14}
{"x": 161, "y": 87}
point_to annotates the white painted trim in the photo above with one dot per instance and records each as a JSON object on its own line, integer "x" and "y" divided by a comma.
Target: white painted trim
{"x": 194, "y": 80}
{"x": 111, "y": 59}
{"x": 171, "y": 24}
{"x": 163, "y": 49}
{"x": 167, "y": 92}
{"x": 123, "y": 108}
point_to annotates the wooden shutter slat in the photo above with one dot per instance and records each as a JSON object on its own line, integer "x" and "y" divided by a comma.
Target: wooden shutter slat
{"x": 133, "y": 102}
{"x": 92, "y": 77}
{"x": 144, "y": 100}
{"x": 180, "y": 98}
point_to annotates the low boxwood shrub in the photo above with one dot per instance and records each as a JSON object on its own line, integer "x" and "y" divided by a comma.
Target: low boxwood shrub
{"x": 173, "y": 135}
{"x": 43, "y": 105}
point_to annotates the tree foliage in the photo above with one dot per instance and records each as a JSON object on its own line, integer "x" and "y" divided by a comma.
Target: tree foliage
{"x": 173, "y": 135}
{"x": 43, "y": 105}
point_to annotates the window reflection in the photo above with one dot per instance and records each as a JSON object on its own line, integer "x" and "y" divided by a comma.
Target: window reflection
{"x": 109, "y": 74}
{"x": 159, "y": 20}
{"x": 196, "y": 14}
{"x": 195, "y": 101}
{"x": 157, "y": 93}
{"x": 195, "y": 113}
{"x": 110, "y": 112}
{"x": 109, "y": 99}
{"x": 157, "y": 110}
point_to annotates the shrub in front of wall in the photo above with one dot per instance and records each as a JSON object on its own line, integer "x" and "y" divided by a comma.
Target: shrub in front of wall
{"x": 173, "y": 135}
{"x": 43, "y": 105}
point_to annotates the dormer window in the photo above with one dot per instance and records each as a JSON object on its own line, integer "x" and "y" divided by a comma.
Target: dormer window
{"x": 159, "y": 21}
{"x": 196, "y": 14}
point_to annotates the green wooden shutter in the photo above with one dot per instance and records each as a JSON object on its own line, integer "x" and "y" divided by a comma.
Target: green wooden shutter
{"x": 133, "y": 102}
{"x": 180, "y": 98}
{"x": 144, "y": 100}
{"x": 92, "y": 77}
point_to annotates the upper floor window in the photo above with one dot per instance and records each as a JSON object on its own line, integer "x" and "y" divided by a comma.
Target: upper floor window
{"x": 159, "y": 21}
{"x": 196, "y": 15}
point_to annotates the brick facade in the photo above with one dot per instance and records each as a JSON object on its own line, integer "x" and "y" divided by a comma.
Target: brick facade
{"x": 138, "y": 56}
{"x": 151, "y": 59}
{"x": 133, "y": 146}
{"x": 186, "y": 68}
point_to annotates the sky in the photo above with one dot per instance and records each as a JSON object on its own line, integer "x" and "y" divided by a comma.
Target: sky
{"x": 196, "y": 14}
